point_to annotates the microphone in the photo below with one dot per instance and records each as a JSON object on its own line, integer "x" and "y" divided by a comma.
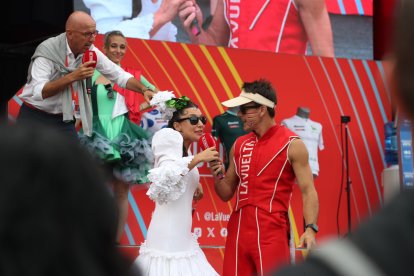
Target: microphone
{"x": 194, "y": 27}
{"x": 207, "y": 141}
{"x": 89, "y": 56}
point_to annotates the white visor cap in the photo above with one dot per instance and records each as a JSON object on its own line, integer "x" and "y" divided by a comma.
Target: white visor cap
{"x": 245, "y": 98}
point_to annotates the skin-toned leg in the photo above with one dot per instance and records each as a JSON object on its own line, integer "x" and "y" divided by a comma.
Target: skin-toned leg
{"x": 121, "y": 190}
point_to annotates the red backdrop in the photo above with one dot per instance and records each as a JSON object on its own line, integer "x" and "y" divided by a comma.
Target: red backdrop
{"x": 328, "y": 87}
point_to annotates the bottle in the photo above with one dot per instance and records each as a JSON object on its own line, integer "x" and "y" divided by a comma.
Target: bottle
{"x": 391, "y": 145}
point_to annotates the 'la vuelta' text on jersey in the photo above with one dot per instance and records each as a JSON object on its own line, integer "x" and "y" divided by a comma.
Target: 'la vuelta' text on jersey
{"x": 234, "y": 14}
{"x": 246, "y": 158}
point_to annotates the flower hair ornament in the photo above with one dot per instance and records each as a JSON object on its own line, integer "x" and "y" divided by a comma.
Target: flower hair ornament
{"x": 168, "y": 103}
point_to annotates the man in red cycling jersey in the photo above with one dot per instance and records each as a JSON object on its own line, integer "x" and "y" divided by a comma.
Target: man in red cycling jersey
{"x": 264, "y": 165}
{"x": 284, "y": 26}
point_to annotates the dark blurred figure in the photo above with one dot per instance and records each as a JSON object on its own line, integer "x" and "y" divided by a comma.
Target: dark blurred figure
{"x": 57, "y": 217}
{"x": 384, "y": 245}
{"x": 404, "y": 58}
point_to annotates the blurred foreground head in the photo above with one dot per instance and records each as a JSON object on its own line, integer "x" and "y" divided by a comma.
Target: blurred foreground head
{"x": 404, "y": 54}
{"x": 56, "y": 215}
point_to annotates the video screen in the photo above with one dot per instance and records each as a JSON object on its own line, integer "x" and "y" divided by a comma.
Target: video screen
{"x": 340, "y": 28}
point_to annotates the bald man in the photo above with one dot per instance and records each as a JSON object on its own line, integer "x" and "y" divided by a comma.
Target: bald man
{"x": 55, "y": 91}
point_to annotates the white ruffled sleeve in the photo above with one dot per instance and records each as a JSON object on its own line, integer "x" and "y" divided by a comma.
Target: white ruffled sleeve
{"x": 167, "y": 176}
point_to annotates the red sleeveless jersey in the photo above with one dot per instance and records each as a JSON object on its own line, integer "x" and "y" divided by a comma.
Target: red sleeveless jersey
{"x": 266, "y": 177}
{"x": 266, "y": 25}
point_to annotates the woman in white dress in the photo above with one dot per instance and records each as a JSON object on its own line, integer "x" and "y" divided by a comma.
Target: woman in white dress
{"x": 170, "y": 248}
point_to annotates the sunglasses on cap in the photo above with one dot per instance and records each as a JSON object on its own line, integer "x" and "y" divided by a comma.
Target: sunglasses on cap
{"x": 243, "y": 108}
{"x": 194, "y": 119}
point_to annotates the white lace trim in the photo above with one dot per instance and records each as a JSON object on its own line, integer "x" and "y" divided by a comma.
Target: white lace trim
{"x": 154, "y": 253}
{"x": 166, "y": 181}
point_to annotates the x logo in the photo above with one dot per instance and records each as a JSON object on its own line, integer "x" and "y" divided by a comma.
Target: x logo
{"x": 210, "y": 232}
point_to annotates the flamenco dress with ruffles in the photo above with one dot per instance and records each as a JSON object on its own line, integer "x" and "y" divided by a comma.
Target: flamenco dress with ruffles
{"x": 170, "y": 248}
{"x": 116, "y": 140}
